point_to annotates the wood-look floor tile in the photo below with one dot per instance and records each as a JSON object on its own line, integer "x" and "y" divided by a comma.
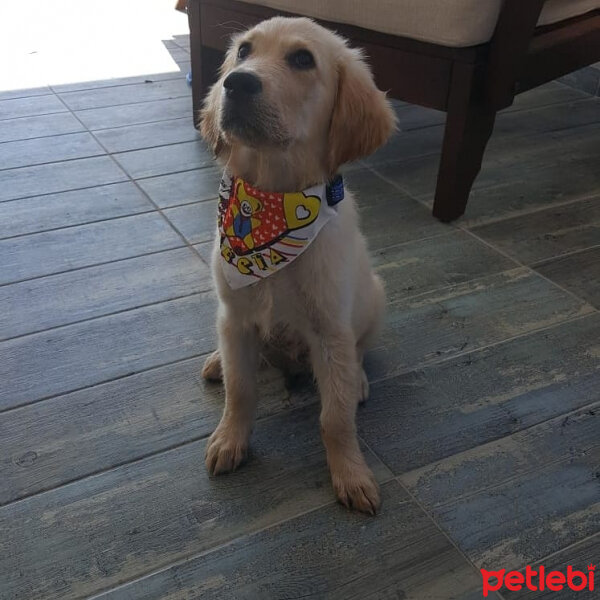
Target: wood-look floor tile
{"x": 84, "y": 354}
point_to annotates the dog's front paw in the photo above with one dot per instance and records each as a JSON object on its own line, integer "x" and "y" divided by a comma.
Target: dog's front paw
{"x": 227, "y": 448}
{"x": 356, "y": 488}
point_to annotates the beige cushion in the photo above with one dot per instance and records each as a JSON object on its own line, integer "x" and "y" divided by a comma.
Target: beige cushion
{"x": 446, "y": 22}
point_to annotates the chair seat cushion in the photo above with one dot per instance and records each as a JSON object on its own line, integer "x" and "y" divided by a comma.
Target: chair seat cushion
{"x": 456, "y": 23}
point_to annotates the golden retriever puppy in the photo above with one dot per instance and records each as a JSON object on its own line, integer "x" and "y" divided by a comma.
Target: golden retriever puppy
{"x": 292, "y": 104}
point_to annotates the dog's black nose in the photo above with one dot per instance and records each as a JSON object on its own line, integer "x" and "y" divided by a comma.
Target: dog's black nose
{"x": 241, "y": 83}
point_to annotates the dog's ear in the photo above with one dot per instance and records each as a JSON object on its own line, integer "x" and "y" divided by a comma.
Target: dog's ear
{"x": 362, "y": 119}
{"x": 209, "y": 119}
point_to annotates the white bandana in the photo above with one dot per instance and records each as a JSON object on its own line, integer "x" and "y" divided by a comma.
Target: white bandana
{"x": 262, "y": 232}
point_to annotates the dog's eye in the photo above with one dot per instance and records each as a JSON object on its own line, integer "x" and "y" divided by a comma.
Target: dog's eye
{"x": 244, "y": 50}
{"x": 301, "y": 59}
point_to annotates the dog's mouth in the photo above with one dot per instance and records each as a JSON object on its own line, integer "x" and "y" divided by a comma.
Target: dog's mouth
{"x": 252, "y": 123}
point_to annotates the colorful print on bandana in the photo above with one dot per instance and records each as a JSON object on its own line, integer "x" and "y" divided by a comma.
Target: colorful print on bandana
{"x": 262, "y": 232}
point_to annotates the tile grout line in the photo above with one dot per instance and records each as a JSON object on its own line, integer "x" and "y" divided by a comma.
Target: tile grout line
{"x": 192, "y": 440}
{"x": 508, "y": 110}
{"x": 575, "y": 87}
{"x": 508, "y": 480}
{"x": 383, "y": 163}
{"x": 103, "y": 382}
{"x": 427, "y": 238}
{"x": 77, "y": 189}
{"x": 196, "y": 555}
{"x": 564, "y": 549}
{"x": 49, "y": 163}
{"x": 166, "y": 145}
{"x": 129, "y": 151}
{"x": 425, "y": 365}
{"x": 103, "y": 129}
{"x": 44, "y": 114}
{"x": 115, "y": 217}
{"x": 525, "y": 213}
{"x": 546, "y": 261}
{"x": 176, "y": 75}
{"x": 531, "y": 270}
{"x": 372, "y": 382}
{"x": 407, "y": 193}
{"x": 566, "y": 128}
{"x": 396, "y": 478}
{"x": 140, "y": 124}
{"x": 399, "y": 162}
{"x": 171, "y": 448}
{"x": 139, "y": 188}
{"x": 53, "y": 162}
{"x": 421, "y": 365}
{"x": 261, "y": 420}
{"x": 191, "y": 203}
{"x": 153, "y": 453}
{"x": 125, "y": 179}
{"x": 106, "y": 262}
{"x": 450, "y": 286}
{"x": 39, "y": 137}
{"x": 75, "y": 110}
{"x": 104, "y": 152}
{"x": 71, "y": 226}
{"x": 421, "y": 197}
{"x": 95, "y": 318}
{"x": 492, "y": 442}
{"x": 102, "y": 471}
{"x": 147, "y": 177}
{"x": 512, "y": 110}
{"x": 25, "y": 95}
{"x": 189, "y": 244}
{"x": 177, "y": 361}
{"x": 266, "y": 417}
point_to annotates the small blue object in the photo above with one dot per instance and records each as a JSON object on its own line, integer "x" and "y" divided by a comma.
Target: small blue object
{"x": 188, "y": 78}
{"x": 335, "y": 190}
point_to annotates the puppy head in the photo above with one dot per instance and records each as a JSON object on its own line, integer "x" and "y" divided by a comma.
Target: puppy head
{"x": 292, "y": 86}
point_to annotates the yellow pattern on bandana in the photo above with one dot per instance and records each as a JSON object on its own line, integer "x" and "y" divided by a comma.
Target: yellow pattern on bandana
{"x": 262, "y": 232}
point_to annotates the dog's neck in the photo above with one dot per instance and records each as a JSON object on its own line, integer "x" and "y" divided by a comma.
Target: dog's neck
{"x": 277, "y": 170}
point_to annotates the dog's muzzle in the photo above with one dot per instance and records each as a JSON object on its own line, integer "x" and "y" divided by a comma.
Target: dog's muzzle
{"x": 246, "y": 113}
{"x": 242, "y": 114}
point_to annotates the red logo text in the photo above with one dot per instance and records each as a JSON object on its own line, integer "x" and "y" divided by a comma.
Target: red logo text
{"x": 538, "y": 579}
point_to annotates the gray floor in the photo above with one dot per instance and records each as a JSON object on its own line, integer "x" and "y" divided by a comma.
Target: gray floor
{"x": 482, "y": 426}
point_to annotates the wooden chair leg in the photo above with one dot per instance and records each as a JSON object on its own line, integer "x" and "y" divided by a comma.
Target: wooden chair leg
{"x": 469, "y": 125}
{"x": 205, "y": 62}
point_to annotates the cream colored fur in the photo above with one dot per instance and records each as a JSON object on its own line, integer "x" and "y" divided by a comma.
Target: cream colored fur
{"x": 328, "y": 300}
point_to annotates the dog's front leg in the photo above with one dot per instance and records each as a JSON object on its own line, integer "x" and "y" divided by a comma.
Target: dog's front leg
{"x": 338, "y": 375}
{"x": 228, "y": 445}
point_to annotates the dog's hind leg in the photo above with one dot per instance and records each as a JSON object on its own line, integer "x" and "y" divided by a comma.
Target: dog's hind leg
{"x": 364, "y": 383}
{"x": 212, "y": 370}
{"x": 375, "y": 307}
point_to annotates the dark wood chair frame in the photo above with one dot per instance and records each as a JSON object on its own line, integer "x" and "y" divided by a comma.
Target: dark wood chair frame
{"x": 471, "y": 84}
